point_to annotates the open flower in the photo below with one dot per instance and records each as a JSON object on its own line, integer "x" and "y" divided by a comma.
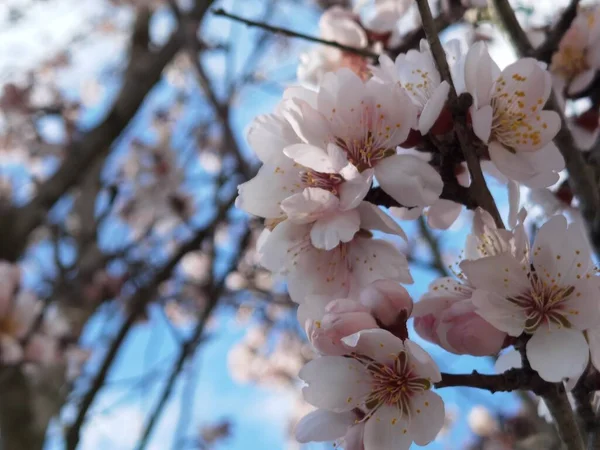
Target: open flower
{"x": 348, "y": 267}
{"x": 507, "y": 115}
{"x": 415, "y": 71}
{"x": 388, "y": 380}
{"x": 550, "y": 296}
{"x": 577, "y": 59}
{"x": 366, "y": 122}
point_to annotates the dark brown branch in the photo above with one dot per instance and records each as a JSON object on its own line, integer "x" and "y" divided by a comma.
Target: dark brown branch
{"x": 294, "y": 34}
{"x": 545, "y": 51}
{"x": 433, "y": 243}
{"x": 516, "y": 34}
{"x": 511, "y": 380}
{"x": 138, "y": 304}
{"x": 478, "y": 189}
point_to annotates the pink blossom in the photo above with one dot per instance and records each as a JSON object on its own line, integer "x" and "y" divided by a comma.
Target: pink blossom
{"x": 391, "y": 376}
{"x": 386, "y": 300}
{"x": 550, "y": 295}
{"x": 507, "y": 115}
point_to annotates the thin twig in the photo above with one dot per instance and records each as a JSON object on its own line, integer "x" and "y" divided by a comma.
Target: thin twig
{"x": 294, "y": 34}
{"x": 434, "y": 245}
{"x": 516, "y": 34}
{"x": 478, "y": 188}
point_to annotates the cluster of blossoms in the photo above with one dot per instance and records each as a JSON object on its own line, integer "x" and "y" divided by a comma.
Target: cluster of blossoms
{"x": 323, "y": 150}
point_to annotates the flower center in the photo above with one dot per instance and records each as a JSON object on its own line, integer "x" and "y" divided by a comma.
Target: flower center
{"x": 569, "y": 62}
{"x": 544, "y": 303}
{"x": 326, "y": 181}
{"x": 422, "y": 90}
{"x": 511, "y": 120}
{"x": 392, "y": 385}
{"x": 364, "y": 153}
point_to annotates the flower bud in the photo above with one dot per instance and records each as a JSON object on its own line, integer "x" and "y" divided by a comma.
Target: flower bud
{"x": 386, "y": 300}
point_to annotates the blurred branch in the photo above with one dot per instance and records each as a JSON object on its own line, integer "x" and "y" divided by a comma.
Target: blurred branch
{"x": 189, "y": 346}
{"x": 434, "y": 246}
{"x": 143, "y": 72}
{"x": 516, "y": 34}
{"x": 460, "y": 105}
{"x": 545, "y": 51}
{"x": 294, "y": 34}
{"x": 138, "y": 304}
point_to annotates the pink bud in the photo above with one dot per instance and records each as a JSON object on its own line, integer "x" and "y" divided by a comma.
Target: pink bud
{"x": 386, "y": 300}
{"x": 459, "y": 329}
{"x": 343, "y": 318}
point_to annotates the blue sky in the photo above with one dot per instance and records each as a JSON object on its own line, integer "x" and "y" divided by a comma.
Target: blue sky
{"x": 260, "y": 416}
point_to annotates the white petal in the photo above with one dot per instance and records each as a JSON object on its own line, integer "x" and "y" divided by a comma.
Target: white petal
{"x": 327, "y": 232}
{"x": 499, "y": 312}
{"x": 381, "y": 345}
{"x": 407, "y": 213}
{"x": 386, "y": 430}
{"x": 482, "y": 122}
{"x": 373, "y": 218}
{"x": 323, "y": 426}
{"x": 443, "y": 213}
{"x": 312, "y": 157}
{"x": 335, "y": 383}
{"x": 558, "y": 354}
{"x": 409, "y": 180}
{"x": 268, "y": 135}
{"x": 309, "y": 205}
{"x": 433, "y": 107}
{"x": 501, "y": 273}
{"x": 581, "y": 81}
{"x": 508, "y": 360}
{"x": 308, "y": 123}
{"x": 356, "y": 186}
{"x": 427, "y": 418}
{"x": 594, "y": 342}
{"x": 480, "y": 74}
{"x": 425, "y": 365}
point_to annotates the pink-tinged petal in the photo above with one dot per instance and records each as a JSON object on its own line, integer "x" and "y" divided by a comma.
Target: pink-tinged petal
{"x": 514, "y": 201}
{"x": 508, "y": 360}
{"x": 386, "y": 299}
{"x": 527, "y": 168}
{"x": 561, "y": 252}
{"x": 593, "y": 336}
{"x": 337, "y": 157}
{"x": 309, "y": 205}
{"x": 443, "y": 213}
{"x": 376, "y": 259}
{"x": 433, "y": 107}
{"x": 424, "y": 363}
{"x": 300, "y": 93}
{"x": 526, "y": 76}
{"x": 387, "y": 430}
{"x": 274, "y": 245}
{"x": 268, "y": 135}
{"x": 11, "y": 351}
{"x": 323, "y": 426}
{"x": 381, "y": 345}
{"x": 308, "y": 123}
{"x": 480, "y": 74}
{"x": 327, "y": 232}
{"x": 354, "y": 439}
{"x": 312, "y": 307}
{"x": 262, "y": 195}
{"x": 499, "y": 312}
{"x": 427, "y": 417}
{"x": 373, "y": 218}
{"x": 482, "y": 122}
{"x": 581, "y": 307}
{"x": 407, "y": 213}
{"x": 310, "y": 156}
{"x": 558, "y": 354}
{"x": 409, "y": 180}
{"x": 581, "y": 81}
{"x": 335, "y": 383}
{"x": 356, "y": 186}
{"x": 498, "y": 273}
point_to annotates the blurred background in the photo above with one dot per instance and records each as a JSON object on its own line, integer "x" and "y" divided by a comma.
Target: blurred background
{"x": 122, "y": 141}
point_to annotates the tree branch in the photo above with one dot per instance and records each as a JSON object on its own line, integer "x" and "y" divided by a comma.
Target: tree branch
{"x": 550, "y": 45}
{"x": 138, "y": 304}
{"x": 294, "y": 34}
{"x": 478, "y": 188}
{"x": 515, "y": 33}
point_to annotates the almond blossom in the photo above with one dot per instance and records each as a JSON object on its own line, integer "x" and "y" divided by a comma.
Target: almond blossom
{"x": 388, "y": 380}
{"x": 507, "y": 115}
{"x": 551, "y": 296}
{"x": 366, "y": 121}
{"x": 348, "y": 267}
{"x": 577, "y": 59}
{"x": 415, "y": 71}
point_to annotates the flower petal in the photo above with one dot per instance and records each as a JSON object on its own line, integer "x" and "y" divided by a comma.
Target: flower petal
{"x": 499, "y": 312}
{"x": 323, "y": 426}
{"x": 381, "y": 345}
{"x": 409, "y": 180}
{"x": 373, "y": 218}
{"x": 427, "y": 418}
{"x": 309, "y": 205}
{"x": 482, "y": 122}
{"x": 335, "y": 383}
{"x": 327, "y": 232}
{"x": 356, "y": 186}
{"x": 558, "y": 354}
{"x": 387, "y": 430}
{"x": 443, "y": 213}
{"x": 433, "y": 107}
{"x": 313, "y": 157}
{"x": 508, "y": 360}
